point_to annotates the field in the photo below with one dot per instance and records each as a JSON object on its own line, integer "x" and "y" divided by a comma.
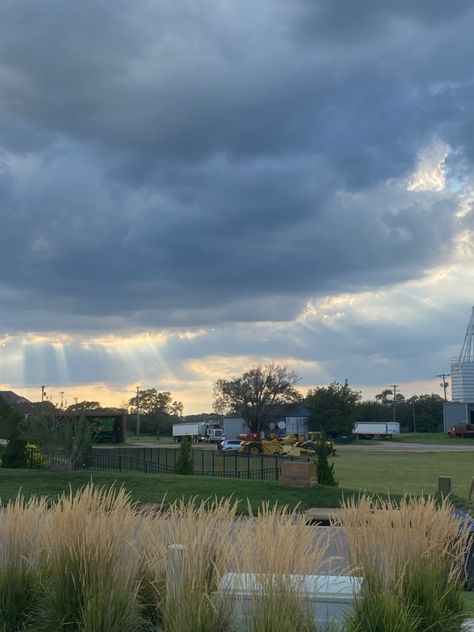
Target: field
{"x": 437, "y": 438}
{"x": 396, "y": 474}
{"x": 375, "y": 472}
{"x": 404, "y": 472}
{"x": 157, "y": 488}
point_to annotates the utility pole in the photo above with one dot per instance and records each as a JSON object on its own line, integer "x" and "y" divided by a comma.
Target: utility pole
{"x": 413, "y": 400}
{"x": 444, "y": 384}
{"x": 395, "y": 386}
{"x": 43, "y": 393}
{"x": 138, "y": 411}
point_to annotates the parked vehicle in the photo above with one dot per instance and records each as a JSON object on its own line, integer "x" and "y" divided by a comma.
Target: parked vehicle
{"x": 371, "y": 429}
{"x": 103, "y": 430}
{"x": 209, "y": 431}
{"x": 291, "y": 445}
{"x": 315, "y": 436}
{"x": 230, "y": 445}
{"x": 465, "y": 431}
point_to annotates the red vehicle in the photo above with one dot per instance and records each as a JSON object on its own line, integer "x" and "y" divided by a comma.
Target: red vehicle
{"x": 465, "y": 431}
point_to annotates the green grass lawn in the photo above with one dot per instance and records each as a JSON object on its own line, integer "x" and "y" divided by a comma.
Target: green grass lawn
{"x": 133, "y": 440}
{"x": 393, "y": 473}
{"x": 404, "y": 472}
{"x": 375, "y": 472}
{"x": 154, "y": 488}
{"x": 438, "y": 438}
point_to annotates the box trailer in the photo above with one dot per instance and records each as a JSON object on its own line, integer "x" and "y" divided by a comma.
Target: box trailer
{"x": 198, "y": 431}
{"x": 371, "y": 429}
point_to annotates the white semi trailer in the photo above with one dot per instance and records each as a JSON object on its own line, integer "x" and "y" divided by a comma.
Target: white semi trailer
{"x": 209, "y": 431}
{"x": 371, "y": 429}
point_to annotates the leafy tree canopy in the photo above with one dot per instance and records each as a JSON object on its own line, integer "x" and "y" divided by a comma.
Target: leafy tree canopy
{"x": 79, "y": 407}
{"x": 10, "y": 420}
{"x": 158, "y": 411}
{"x": 150, "y": 400}
{"x": 253, "y": 394}
{"x": 333, "y": 408}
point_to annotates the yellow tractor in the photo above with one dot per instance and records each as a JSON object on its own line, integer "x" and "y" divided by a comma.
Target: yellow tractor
{"x": 315, "y": 437}
{"x": 290, "y": 445}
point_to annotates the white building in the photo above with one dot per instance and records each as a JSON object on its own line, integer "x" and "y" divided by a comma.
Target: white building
{"x": 462, "y": 368}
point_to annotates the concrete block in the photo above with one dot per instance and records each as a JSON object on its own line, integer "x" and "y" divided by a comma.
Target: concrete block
{"x": 297, "y": 474}
{"x": 326, "y": 598}
{"x": 445, "y": 485}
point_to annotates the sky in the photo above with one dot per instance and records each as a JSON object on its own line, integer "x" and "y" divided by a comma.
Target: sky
{"x": 190, "y": 189}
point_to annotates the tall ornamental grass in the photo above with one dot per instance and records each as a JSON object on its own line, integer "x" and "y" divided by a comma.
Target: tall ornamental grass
{"x": 93, "y": 562}
{"x": 188, "y": 547}
{"x": 412, "y": 555}
{"x": 21, "y": 525}
{"x": 90, "y": 569}
{"x": 279, "y": 550}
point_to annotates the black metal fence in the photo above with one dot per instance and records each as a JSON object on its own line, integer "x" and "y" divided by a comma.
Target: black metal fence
{"x": 206, "y": 462}
{"x": 161, "y": 460}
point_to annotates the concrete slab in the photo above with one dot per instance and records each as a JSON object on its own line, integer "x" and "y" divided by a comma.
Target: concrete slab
{"x": 321, "y": 514}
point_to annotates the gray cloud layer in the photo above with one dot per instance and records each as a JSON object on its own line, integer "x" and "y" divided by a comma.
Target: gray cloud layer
{"x": 168, "y": 163}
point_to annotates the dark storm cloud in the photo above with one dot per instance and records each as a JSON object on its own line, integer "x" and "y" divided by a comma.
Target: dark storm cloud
{"x": 176, "y": 164}
{"x": 374, "y": 17}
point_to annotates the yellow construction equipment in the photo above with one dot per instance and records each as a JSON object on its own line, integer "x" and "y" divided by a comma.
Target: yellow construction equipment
{"x": 289, "y": 445}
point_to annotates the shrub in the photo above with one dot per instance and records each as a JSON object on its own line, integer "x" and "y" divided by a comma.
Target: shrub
{"x": 90, "y": 571}
{"x": 184, "y": 462}
{"x": 412, "y": 554}
{"x": 15, "y": 454}
{"x": 382, "y": 612}
{"x": 278, "y": 547}
{"x": 20, "y": 529}
{"x": 185, "y": 576}
{"x": 325, "y": 470}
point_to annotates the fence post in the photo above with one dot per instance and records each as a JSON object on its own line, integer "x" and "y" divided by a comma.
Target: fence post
{"x": 120, "y": 463}
{"x": 175, "y": 574}
{"x": 261, "y": 466}
{"x": 236, "y": 465}
{"x": 445, "y": 485}
{"x": 146, "y": 467}
{"x": 276, "y": 467}
{"x": 248, "y": 466}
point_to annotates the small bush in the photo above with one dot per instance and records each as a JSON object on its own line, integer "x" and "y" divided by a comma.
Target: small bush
{"x": 382, "y": 612}
{"x": 325, "y": 470}
{"x": 15, "y": 454}
{"x": 184, "y": 462}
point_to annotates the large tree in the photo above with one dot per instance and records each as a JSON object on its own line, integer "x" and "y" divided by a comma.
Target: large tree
{"x": 333, "y": 408}
{"x": 253, "y": 394}
{"x": 84, "y": 406}
{"x": 10, "y": 419}
{"x": 11, "y": 430}
{"x": 158, "y": 410}
{"x": 64, "y": 438}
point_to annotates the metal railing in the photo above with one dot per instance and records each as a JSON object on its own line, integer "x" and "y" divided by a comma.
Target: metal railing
{"x": 160, "y": 460}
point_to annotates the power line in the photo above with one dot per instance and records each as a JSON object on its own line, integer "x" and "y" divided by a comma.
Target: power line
{"x": 395, "y": 386}
{"x": 444, "y": 384}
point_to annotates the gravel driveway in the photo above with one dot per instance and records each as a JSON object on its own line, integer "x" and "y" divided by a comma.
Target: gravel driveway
{"x": 394, "y": 446}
